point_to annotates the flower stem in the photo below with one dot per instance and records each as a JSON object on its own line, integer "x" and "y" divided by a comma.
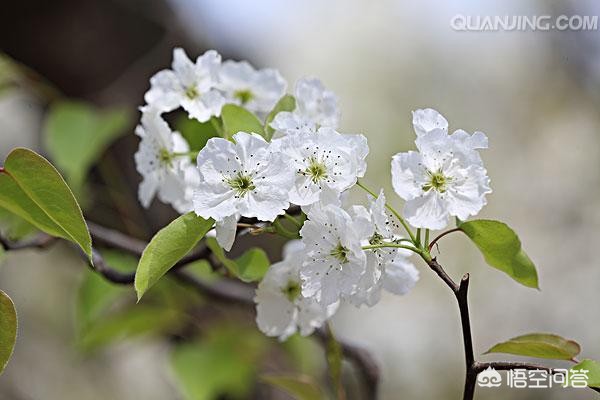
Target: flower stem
{"x": 393, "y": 211}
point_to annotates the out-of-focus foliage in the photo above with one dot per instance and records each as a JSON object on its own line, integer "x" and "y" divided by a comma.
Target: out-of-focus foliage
{"x": 132, "y": 322}
{"x": 249, "y": 267}
{"x": 33, "y": 189}
{"x": 167, "y": 247}
{"x": 8, "y": 329}
{"x": 77, "y": 134}
{"x": 540, "y": 345}
{"x": 223, "y": 362}
{"x": 97, "y": 296}
{"x": 501, "y": 249}
{"x": 300, "y": 387}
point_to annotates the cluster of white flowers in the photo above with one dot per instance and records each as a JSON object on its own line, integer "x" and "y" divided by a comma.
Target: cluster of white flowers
{"x": 347, "y": 253}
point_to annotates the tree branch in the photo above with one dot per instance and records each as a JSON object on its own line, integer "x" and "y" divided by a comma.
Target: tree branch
{"x": 472, "y": 366}
{"x": 225, "y": 290}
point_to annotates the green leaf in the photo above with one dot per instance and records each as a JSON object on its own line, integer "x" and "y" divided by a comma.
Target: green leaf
{"x": 593, "y": 369}
{"x": 129, "y": 323}
{"x": 8, "y": 329}
{"x": 167, "y": 247}
{"x": 34, "y": 190}
{"x": 286, "y": 103}
{"x": 238, "y": 119}
{"x": 195, "y": 132}
{"x": 540, "y": 345}
{"x": 77, "y": 134}
{"x": 299, "y": 387}
{"x": 501, "y": 249}
{"x": 250, "y": 267}
{"x": 223, "y": 364}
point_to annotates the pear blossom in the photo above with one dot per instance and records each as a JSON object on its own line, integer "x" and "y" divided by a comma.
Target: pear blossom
{"x": 257, "y": 91}
{"x": 281, "y": 309}
{"x": 335, "y": 260}
{"x": 189, "y": 85}
{"x": 244, "y": 178}
{"x": 163, "y": 161}
{"x": 445, "y": 178}
{"x": 315, "y": 107}
{"x": 428, "y": 119}
{"x": 388, "y": 267}
{"x": 325, "y": 163}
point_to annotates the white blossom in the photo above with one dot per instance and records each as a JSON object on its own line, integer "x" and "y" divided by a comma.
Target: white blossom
{"x": 257, "y": 91}
{"x": 244, "y": 178}
{"x": 428, "y": 119}
{"x": 335, "y": 260}
{"x": 445, "y": 178}
{"x": 163, "y": 161}
{"x": 325, "y": 163}
{"x": 189, "y": 85}
{"x": 281, "y": 309}
{"x": 316, "y": 107}
{"x": 387, "y": 268}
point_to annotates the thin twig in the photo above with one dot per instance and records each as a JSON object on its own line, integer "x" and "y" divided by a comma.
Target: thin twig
{"x": 441, "y": 235}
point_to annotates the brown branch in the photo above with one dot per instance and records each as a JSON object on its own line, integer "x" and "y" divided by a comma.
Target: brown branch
{"x": 224, "y": 290}
{"x": 472, "y": 366}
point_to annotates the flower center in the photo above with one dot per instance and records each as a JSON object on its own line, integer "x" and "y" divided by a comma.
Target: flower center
{"x": 316, "y": 170}
{"x": 376, "y": 239}
{"x": 191, "y": 92}
{"x": 165, "y": 157}
{"x": 437, "y": 181}
{"x": 340, "y": 252}
{"x": 241, "y": 184}
{"x": 244, "y": 96}
{"x": 292, "y": 290}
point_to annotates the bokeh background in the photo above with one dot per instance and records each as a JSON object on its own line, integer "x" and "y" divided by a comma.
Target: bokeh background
{"x": 535, "y": 94}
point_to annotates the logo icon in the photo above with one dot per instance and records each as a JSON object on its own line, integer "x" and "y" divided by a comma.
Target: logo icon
{"x": 489, "y": 378}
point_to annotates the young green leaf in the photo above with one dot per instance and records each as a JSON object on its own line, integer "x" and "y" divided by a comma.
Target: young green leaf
{"x": 286, "y": 103}
{"x": 249, "y": 267}
{"x": 501, "y": 249}
{"x": 238, "y": 119}
{"x": 8, "y": 329}
{"x": 300, "y": 387}
{"x": 77, "y": 134}
{"x": 34, "y": 190}
{"x": 167, "y": 247}
{"x": 593, "y": 368}
{"x": 540, "y": 345}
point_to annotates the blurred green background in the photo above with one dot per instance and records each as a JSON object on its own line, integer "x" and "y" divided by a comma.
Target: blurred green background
{"x": 535, "y": 94}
